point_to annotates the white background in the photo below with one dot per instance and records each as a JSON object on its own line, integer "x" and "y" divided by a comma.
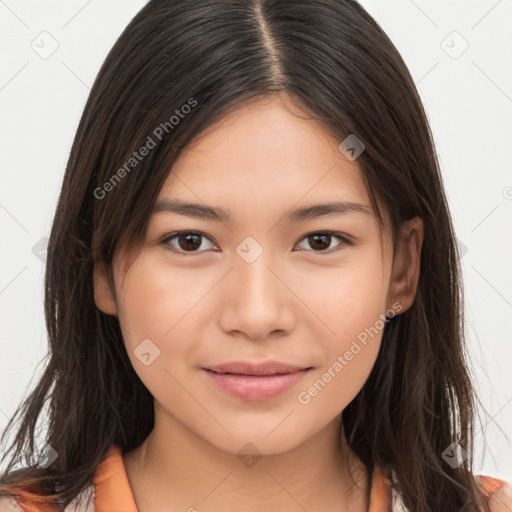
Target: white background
{"x": 468, "y": 98}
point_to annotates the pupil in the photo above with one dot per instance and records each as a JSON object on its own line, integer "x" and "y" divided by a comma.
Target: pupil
{"x": 315, "y": 239}
{"x": 189, "y": 240}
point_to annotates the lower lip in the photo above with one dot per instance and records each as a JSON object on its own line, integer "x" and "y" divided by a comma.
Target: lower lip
{"x": 252, "y": 387}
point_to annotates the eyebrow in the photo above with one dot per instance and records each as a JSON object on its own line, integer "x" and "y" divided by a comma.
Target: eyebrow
{"x": 199, "y": 211}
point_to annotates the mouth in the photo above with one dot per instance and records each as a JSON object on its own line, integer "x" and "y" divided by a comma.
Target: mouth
{"x": 255, "y": 374}
{"x": 256, "y": 384}
{"x": 256, "y": 369}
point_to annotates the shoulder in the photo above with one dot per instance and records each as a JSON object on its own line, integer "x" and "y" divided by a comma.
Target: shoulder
{"x": 84, "y": 502}
{"x": 499, "y": 493}
{"x": 501, "y": 499}
{"x": 9, "y": 505}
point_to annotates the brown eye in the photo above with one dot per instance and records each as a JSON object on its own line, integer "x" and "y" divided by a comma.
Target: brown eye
{"x": 187, "y": 242}
{"x": 321, "y": 241}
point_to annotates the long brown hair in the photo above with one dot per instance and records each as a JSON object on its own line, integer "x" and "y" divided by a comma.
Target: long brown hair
{"x": 175, "y": 70}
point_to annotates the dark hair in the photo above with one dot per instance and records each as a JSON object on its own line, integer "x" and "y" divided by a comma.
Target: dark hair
{"x": 178, "y": 67}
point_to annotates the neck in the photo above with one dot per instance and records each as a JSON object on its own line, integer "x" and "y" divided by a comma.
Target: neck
{"x": 173, "y": 469}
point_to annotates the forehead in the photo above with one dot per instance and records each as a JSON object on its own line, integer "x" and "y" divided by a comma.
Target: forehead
{"x": 267, "y": 152}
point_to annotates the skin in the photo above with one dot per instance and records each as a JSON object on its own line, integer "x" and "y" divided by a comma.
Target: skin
{"x": 294, "y": 303}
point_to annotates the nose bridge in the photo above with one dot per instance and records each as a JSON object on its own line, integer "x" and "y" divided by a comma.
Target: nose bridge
{"x": 253, "y": 269}
{"x": 257, "y": 295}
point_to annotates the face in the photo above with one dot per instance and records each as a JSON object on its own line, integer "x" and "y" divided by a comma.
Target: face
{"x": 264, "y": 285}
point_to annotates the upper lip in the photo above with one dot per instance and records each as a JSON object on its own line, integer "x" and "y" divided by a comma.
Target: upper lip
{"x": 264, "y": 368}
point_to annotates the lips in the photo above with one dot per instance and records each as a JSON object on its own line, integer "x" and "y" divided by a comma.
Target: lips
{"x": 256, "y": 369}
{"x": 252, "y": 381}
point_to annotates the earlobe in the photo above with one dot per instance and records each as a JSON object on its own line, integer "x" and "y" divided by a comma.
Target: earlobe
{"x": 406, "y": 265}
{"x": 103, "y": 296}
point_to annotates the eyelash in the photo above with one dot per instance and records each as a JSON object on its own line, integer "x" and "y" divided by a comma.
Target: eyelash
{"x": 168, "y": 238}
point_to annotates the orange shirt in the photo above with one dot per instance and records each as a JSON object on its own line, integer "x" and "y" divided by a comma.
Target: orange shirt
{"x": 112, "y": 492}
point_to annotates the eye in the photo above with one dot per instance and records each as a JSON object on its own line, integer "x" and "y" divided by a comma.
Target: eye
{"x": 187, "y": 241}
{"x": 322, "y": 240}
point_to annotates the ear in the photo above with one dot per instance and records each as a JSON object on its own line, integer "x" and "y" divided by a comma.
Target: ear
{"x": 406, "y": 265}
{"x": 103, "y": 296}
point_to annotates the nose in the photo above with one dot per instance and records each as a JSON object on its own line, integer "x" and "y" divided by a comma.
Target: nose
{"x": 258, "y": 300}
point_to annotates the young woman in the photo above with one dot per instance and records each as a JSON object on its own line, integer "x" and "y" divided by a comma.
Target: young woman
{"x": 253, "y": 294}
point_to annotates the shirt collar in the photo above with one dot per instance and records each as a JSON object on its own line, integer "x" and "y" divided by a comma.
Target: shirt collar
{"x": 112, "y": 492}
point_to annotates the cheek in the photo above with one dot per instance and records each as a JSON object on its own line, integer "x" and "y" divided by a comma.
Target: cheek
{"x": 349, "y": 299}
{"x": 159, "y": 302}
{"x": 348, "y": 357}
{"x": 353, "y": 308}
{"x": 143, "y": 309}
{"x": 159, "y": 313}
{"x": 337, "y": 383}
